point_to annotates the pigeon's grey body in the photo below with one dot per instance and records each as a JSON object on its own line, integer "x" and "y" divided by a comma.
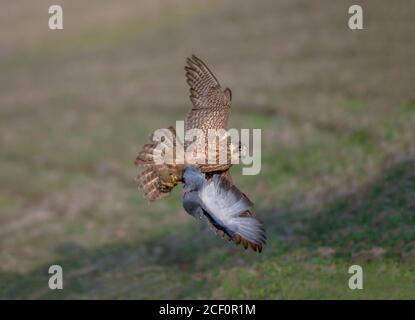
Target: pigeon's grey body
{"x": 191, "y": 203}
{"x": 222, "y": 204}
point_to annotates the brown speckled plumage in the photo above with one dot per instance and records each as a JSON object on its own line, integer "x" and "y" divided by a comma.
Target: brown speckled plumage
{"x": 211, "y": 104}
{"x": 210, "y": 110}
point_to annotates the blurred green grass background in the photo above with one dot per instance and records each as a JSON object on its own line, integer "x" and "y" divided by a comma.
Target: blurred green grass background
{"x": 337, "y": 113}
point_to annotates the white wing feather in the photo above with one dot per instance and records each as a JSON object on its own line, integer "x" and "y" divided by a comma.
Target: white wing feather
{"x": 225, "y": 203}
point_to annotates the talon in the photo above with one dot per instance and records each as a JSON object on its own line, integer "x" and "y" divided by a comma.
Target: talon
{"x": 175, "y": 178}
{"x": 169, "y": 184}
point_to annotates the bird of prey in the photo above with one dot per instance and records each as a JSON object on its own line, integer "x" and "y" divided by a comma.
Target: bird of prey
{"x": 210, "y": 110}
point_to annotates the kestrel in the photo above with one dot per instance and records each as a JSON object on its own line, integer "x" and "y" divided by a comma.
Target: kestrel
{"x": 210, "y": 110}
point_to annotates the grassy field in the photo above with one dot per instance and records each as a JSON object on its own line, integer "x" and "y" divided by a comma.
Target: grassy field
{"x": 337, "y": 113}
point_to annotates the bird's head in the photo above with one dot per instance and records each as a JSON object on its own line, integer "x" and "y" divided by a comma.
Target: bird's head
{"x": 193, "y": 179}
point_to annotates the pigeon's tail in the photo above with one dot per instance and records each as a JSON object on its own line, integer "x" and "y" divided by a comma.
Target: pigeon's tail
{"x": 228, "y": 211}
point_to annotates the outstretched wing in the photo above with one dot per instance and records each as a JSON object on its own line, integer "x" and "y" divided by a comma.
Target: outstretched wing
{"x": 226, "y": 208}
{"x": 211, "y": 104}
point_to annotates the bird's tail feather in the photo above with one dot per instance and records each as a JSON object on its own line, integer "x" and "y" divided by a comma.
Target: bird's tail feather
{"x": 149, "y": 178}
{"x": 149, "y": 183}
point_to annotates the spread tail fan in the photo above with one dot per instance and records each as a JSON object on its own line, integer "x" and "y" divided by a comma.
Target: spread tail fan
{"x": 150, "y": 184}
{"x": 150, "y": 174}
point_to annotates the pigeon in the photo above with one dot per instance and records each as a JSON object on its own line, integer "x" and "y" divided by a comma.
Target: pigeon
{"x": 223, "y": 206}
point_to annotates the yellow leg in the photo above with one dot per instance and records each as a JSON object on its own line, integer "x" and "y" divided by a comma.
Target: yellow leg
{"x": 174, "y": 180}
{"x": 169, "y": 184}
